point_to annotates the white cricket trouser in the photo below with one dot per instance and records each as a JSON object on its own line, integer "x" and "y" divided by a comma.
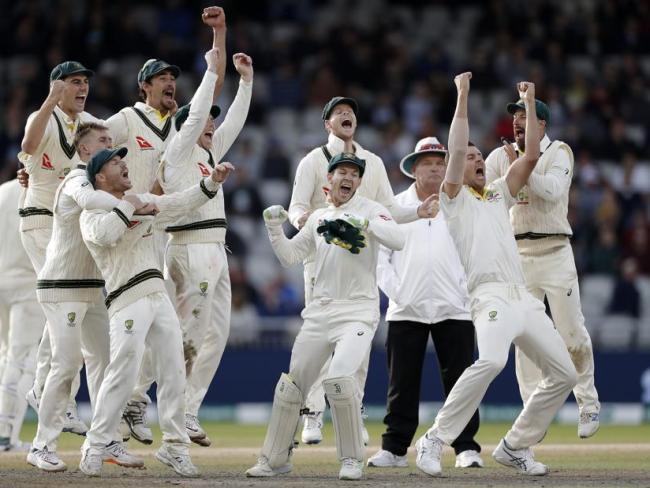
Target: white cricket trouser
{"x": 150, "y": 321}
{"x": 315, "y": 399}
{"x": 554, "y": 275}
{"x": 503, "y": 314}
{"x": 35, "y": 242}
{"x": 23, "y": 320}
{"x": 200, "y": 273}
{"x": 78, "y": 333}
{"x": 342, "y": 331}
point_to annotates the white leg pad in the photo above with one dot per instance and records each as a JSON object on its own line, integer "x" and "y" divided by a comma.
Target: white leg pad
{"x": 283, "y": 425}
{"x": 346, "y": 416}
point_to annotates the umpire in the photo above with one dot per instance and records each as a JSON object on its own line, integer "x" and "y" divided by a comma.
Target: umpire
{"x": 427, "y": 288}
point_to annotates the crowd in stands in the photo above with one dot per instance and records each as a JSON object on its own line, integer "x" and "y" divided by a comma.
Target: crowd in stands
{"x": 590, "y": 61}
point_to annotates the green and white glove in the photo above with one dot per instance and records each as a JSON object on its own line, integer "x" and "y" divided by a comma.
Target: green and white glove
{"x": 360, "y": 223}
{"x": 275, "y": 215}
{"x": 343, "y": 234}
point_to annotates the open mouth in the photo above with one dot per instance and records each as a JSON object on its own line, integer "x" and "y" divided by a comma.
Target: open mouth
{"x": 208, "y": 134}
{"x": 347, "y": 124}
{"x": 346, "y": 188}
{"x": 519, "y": 132}
{"x": 80, "y": 98}
{"x": 168, "y": 93}
{"x": 480, "y": 172}
{"x": 125, "y": 173}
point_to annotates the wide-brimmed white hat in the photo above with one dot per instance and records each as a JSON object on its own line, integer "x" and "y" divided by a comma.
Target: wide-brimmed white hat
{"x": 428, "y": 145}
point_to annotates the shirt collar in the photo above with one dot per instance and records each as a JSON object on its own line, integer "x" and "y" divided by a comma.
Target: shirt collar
{"x": 149, "y": 110}
{"x": 336, "y": 145}
{"x": 346, "y": 204}
{"x": 65, "y": 118}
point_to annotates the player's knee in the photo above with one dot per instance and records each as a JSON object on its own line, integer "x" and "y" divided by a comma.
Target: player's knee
{"x": 490, "y": 367}
{"x": 568, "y": 377}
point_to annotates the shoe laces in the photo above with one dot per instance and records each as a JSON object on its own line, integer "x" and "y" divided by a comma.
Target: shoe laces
{"x": 314, "y": 420}
{"x": 193, "y": 420}
{"x": 136, "y": 411}
{"x": 350, "y": 463}
{"x": 586, "y": 417}
{"x": 522, "y": 458}
{"x": 48, "y": 456}
{"x": 431, "y": 446}
{"x": 116, "y": 449}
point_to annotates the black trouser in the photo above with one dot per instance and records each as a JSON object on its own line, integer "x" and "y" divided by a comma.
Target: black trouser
{"x": 406, "y": 345}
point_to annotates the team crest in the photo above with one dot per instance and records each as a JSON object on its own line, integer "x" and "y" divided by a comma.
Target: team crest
{"x": 71, "y": 317}
{"x": 128, "y": 326}
{"x": 46, "y": 163}
{"x": 492, "y": 196}
{"x": 203, "y": 286}
{"x": 204, "y": 169}
{"x": 493, "y": 315}
{"x": 143, "y": 143}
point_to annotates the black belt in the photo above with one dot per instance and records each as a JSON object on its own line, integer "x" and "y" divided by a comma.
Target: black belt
{"x": 145, "y": 275}
{"x": 536, "y": 235}
{"x": 29, "y": 211}
{"x": 71, "y": 284}
{"x": 202, "y": 224}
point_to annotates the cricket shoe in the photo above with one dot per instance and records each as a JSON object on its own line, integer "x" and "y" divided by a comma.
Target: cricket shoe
{"x": 135, "y": 416}
{"x": 45, "y": 460}
{"x": 469, "y": 459}
{"x": 312, "y": 428}
{"x": 92, "y": 459}
{"x": 115, "y": 453}
{"x": 364, "y": 432}
{"x": 125, "y": 432}
{"x": 386, "y": 459}
{"x": 428, "y": 454}
{"x": 520, "y": 459}
{"x": 33, "y": 400}
{"x": 177, "y": 458}
{"x": 195, "y": 431}
{"x": 263, "y": 470}
{"x": 588, "y": 424}
{"x": 351, "y": 469}
{"x": 72, "y": 422}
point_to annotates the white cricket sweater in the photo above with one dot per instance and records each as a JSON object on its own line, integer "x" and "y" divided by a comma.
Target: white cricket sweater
{"x": 185, "y": 163}
{"x": 542, "y": 205}
{"x": 425, "y": 281}
{"x": 123, "y": 247}
{"x": 310, "y": 184}
{"x": 145, "y": 133}
{"x": 15, "y": 267}
{"x": 54, "y": 158}
{"x": 339, "y": 275}
{"x": 70, "y": 273}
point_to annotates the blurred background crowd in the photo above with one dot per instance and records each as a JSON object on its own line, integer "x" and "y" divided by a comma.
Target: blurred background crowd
{"x": 590, "y": 61}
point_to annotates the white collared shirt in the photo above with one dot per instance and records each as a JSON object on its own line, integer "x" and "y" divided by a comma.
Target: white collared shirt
{"x": 425, "y": 281}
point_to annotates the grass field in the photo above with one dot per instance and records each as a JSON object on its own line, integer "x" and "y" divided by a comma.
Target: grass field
{"x": 616, "y": 456}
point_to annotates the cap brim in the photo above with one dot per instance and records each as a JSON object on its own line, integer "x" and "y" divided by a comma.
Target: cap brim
{"x": 120, "y": 151}
{"x": 350, "y": 101}
{"x": 86, "y": 72}
{"x": 513, "y": 107}
{"x": 407, "y": 162}
{"x": 176, "y": 71}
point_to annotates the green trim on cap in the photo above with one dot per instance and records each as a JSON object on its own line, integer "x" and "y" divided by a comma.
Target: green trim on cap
{"x": 329, "y": 106}
{"x": 542, "y": 110}
{"x": 347, "y": 158}
{"x": 68, "y": 68}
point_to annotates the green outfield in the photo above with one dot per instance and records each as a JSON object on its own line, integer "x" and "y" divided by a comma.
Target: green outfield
{"x": 616, "y": 456}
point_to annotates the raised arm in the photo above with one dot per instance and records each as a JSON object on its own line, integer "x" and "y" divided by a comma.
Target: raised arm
{"x": 522, "y": 167}
{"x": 288, "y": 251}
{"x": 215, "y": 17}
{"x": 458, "y": 138}
{"x": 82, "y": 192}
{"x": 37, "y": 124}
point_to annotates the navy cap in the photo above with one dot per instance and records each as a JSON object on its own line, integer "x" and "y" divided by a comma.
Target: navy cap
{"x": 69, "y": 68}
{"x": 329, "y": 106}
{"x": 183, "y": 112}
{"x": 350, "y": 158}
{"x": 542, "y": 110}
{"x": 100, "y": 158}
{"x": 154, "y": 67}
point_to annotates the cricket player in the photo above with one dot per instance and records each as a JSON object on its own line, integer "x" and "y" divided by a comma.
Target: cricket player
{"x": 542, "y": 231}
{"x": 146, "y": 129}
{"x": 138, "y": 306}
{"x": 48, "y": 154}
{"x": 427, "y": 288}
{"x": 22, "y": 316}
{"x": 503, "y": 311}
{"x": 69, "y": 290}
{"x": 196, "y": 255}
{"x": 310, "y": 190}
{"x": 340, "y": 319}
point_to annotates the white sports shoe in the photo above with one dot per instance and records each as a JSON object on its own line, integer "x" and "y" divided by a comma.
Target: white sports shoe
{"x": 364, "y": 432}
{"x": 91, "y": 460}
{"x": 386, "y": 459}
{"x": 311, "y": 430}
{"x": 263, "y": 470}
{"x": 195, "y": 431}
{"x": 429, "y": 452}
{"x": 135, "y": 416}
{"x": 177, "y": 458}
{"x": 588, "y": 424}
{"x": 520, "y": 459}
{"x": 115, "y": 453}
{"x": 45, "y": 460}
{"x": 72, "y": 422}
{"x": 469, "y": 459}
{"x": 125, "y": 432}
{"x": 351, "y": 469}
{"x": 33, "y": 399}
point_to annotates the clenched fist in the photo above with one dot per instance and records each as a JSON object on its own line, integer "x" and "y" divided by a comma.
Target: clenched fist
{"x": 275, "y": 215}
{"x": 214, "y": 17}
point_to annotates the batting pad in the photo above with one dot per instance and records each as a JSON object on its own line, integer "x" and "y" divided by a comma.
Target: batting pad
{"x": 284, "y": 422}
{"x": 346, "y": 416}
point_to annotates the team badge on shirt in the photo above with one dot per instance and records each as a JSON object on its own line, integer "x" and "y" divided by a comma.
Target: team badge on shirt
{"x": 71, "y": 317}
{"x": 492, "y": 196}
{"x": 143, "y": 143}
{"x": 204, "y": 169}
{"x": 203, "y": 286}
{"x": 128, "y": 326}
{"x": 492, "y": 314}
{"x": 46, "y": 163}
